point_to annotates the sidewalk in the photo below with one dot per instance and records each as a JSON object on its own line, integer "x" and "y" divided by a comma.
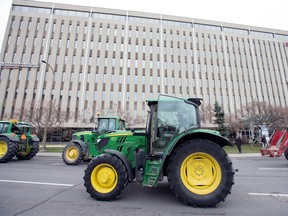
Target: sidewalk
{"x": 59, "y": 154}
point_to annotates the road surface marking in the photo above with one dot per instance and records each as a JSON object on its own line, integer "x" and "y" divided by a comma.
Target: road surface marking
{"x": 269, "y": 194}
{"x": 276, "y": 169}
{"x": 37, "y": 183}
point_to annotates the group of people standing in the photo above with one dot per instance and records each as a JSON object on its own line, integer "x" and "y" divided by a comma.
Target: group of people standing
{"x": 239, "y": 143}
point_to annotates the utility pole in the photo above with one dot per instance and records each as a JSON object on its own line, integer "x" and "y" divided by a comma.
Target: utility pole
{"x": 47, "y": 118}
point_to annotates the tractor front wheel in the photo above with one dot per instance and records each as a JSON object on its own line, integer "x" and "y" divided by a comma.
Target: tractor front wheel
{"x": 105, "y": 177}
{"x": 8, "y": 149}
{"x": 72, "y": 154}
{"x": 200, "y": 173}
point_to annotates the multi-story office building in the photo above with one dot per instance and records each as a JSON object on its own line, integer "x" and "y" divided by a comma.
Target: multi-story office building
{"x": 104, "y": 58}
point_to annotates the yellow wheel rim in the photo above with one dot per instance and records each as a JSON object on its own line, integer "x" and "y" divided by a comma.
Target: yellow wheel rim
{"x": 200, "y": 173}
{"x": 104, "y": 178}
{"x": 72, "y": 153}
{"x": 3, "y": 149}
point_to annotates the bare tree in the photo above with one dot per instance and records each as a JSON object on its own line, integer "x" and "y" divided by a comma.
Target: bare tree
{"x": 129, "y": 118}
{"x": 282, "y": 118}
{"x": 125, "y": 114}
{"x": 44, "y": 116}
{"x": 6, "y": 116}
{"x": 260, "y": 113}
{"x": 206, "y": 113}
{"x": 234, "y": 122}
{"x": 87, "y": 118}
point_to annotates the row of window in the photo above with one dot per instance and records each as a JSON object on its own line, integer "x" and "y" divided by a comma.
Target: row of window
{"x": 122, "y": 34}
{"x": 71, "y": 13}
{"x": 174, "y": 78}
{"x": 108, "y": 96}
{"x": 31, "y": 9}
{"x": 237, "y": 90}
{"x": 148, "y": 20}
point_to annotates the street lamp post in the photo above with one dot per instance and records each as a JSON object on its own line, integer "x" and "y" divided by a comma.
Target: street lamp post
{"x": 53, "y": 72}
{"x": 49, "y": 66}
{"x": 45, "y": 126}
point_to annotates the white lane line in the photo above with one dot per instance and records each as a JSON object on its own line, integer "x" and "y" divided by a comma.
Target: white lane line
{"x": 276, "y": 169}
{"x": 268, "y": 194}
{"x": 37, "y": 183}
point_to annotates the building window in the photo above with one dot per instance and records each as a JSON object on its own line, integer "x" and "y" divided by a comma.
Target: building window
{"x": 31, "y": 9}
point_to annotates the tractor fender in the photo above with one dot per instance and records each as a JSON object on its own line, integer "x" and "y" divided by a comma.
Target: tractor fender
{"x": 11, "y": 137}
{"x": 35, "y": 139}
{"x": 219, "y": 140}
{"x": 82, "y": 145}
{"x": 124, "y": 160}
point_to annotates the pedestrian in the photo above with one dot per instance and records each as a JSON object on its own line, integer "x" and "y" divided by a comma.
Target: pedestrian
{"x": 264, "y": 141}
{"x": 239, "y": 144}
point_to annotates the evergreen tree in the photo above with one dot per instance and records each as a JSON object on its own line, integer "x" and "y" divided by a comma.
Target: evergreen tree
{"x": 219, "y": 118}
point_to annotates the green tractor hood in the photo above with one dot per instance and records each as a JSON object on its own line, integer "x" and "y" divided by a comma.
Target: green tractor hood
{"x": 116, "y": 134}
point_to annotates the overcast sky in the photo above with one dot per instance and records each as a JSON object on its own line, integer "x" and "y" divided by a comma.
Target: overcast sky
{"x": 262, "y": 13}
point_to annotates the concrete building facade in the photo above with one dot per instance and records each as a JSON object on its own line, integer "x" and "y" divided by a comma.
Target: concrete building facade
{"x": 106, "y": 58}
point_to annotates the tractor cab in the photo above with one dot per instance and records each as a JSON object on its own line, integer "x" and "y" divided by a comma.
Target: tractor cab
{"x": 21, "y": 129}
{"x": 170, "y": 117}
{"x": 110, "y": 123}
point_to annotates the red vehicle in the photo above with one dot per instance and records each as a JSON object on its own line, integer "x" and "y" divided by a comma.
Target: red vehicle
{"x": 277, "y": 145}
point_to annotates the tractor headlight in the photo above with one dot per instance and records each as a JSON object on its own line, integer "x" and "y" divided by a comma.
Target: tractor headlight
{"x": 98, "y": 140}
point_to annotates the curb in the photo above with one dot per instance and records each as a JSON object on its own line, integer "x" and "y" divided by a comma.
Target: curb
{"x": 245, "y": 155}
{"x": 58, "y": 154}
{"x": 49, "y": 154}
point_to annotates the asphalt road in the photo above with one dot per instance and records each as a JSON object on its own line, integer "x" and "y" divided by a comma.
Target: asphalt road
{"x": 46, "y": 186}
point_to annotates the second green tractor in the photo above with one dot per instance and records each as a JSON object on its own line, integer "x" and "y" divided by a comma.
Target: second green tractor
{"x": 83, "y": 145}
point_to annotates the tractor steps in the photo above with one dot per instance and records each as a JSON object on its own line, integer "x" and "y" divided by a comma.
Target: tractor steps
{"x": 152, "y": 170}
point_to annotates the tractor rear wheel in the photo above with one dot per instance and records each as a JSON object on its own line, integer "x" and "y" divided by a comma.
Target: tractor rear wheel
{"x": 200, "y": 173}
{"x": 72, "y": 154}
{"x": 105, "y": 177}
{"x": 28, "y": 153}
{"x": 8, "y": 149}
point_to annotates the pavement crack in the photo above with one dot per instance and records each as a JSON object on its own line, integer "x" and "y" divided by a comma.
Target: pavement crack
{"x": 46, "y": 200}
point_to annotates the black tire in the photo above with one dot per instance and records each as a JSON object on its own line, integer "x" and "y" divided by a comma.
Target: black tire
{"x": 8, "y": 149}
{"x": 29, "y": 152}
{"x": 35, "y": 149}
{"x": 72, "y": 154}
{"x": 286, "y": 153}
{"x": 200, "y": 173}
{"x": 105, "y": 177}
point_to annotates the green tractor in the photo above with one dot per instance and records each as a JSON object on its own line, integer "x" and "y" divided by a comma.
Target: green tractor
{"x": 17, "y": 140}
{"x": 199, "y": 171}
{"x": 83, "y": 145}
